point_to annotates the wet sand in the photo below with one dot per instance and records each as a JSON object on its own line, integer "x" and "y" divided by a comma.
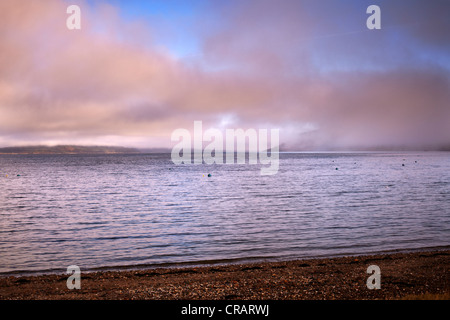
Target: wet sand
{"x": 416, "y": 275}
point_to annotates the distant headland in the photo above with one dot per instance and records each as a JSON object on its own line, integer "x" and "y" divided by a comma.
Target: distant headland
{"x": 80, "y": 149}
{"x": 69, "y": 149}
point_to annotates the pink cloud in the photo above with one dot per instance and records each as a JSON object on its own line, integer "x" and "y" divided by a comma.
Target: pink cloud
{"x": 108, "y": 82}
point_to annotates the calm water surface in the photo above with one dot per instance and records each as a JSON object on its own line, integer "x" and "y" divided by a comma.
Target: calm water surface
{"x": 141, "y": 210}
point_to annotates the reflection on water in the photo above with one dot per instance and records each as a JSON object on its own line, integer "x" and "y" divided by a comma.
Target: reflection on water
{"x": 114, "y": 210}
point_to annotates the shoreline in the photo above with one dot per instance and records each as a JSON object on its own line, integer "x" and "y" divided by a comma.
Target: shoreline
{"x": 422, "y": 274}
{"x": 212, "y": 262}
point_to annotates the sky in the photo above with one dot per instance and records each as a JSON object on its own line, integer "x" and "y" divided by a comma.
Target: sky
{"x": 138, "y": 70}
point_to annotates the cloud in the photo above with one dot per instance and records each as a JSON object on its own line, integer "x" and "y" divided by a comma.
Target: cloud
{"x": 310, "y": 69}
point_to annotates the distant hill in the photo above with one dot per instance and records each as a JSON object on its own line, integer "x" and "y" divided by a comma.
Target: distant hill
{"x": 155, "y": 150}
{"x": 68, "y": 150}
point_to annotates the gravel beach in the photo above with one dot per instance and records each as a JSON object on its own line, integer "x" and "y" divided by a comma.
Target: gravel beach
{"x": 415, "y": 275}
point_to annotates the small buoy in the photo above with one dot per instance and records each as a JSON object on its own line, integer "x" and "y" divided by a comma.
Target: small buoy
{"x": 18, "y": 175}
{"x": 209, "y": 174}
{"x": 403, "y": 164}
{"x": 337, "y": 169}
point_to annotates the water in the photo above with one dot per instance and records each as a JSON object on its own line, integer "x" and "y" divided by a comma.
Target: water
{"x": 99, "y": 211}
